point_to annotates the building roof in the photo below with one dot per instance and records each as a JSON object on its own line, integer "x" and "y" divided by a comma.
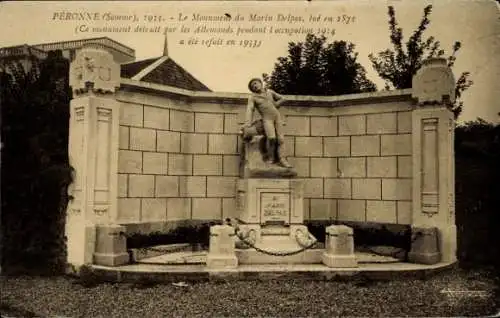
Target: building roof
{"x": 131, "y": 69}
{"x": 162, "y": 70}
{"x": 120, "y": 52}
{"x": 104, "y": 40}
{"x": 13, "y": 52}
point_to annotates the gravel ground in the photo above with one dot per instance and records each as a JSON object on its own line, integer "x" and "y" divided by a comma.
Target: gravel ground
{"x": 64, "y": 296}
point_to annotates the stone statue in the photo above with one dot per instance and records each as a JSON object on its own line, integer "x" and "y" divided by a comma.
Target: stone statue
{"x": 270, "y": 125}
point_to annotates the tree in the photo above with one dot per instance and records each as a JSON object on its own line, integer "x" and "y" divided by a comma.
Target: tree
{"x": 398, "y": 66}
{"x": 35, "y": 163}
{"x": 314, "y": 67}
{"x": 477, "y": 154}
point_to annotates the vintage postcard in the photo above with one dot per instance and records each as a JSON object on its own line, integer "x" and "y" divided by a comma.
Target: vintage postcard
{"x": 299, "y": 151}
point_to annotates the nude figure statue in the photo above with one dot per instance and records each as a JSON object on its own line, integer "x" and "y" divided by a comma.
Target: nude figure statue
{"x": 266, "y": 102}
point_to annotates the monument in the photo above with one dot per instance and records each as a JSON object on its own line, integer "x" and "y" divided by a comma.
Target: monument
{"x": 269, "y": 197}
{"x": 130, "y": 176}
{"x": 270, "y": 201}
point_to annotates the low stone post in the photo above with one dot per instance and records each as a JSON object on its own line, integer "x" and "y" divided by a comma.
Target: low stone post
{"x": 339, "y": 249}
{"x": 425, "y": 246}
{"x": 111, "y": 246}
{"x": 221, "y": 254}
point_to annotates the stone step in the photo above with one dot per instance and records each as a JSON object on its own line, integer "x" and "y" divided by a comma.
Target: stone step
{"x": 189, "y": 257}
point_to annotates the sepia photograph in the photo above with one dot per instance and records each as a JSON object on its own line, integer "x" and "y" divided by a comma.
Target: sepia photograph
{"x": 250, "y": 158}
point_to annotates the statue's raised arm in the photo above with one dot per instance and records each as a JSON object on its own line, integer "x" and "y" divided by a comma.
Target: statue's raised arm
{"x": 278, "y": 99}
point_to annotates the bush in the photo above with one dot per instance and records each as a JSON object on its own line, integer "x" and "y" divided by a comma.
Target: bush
{"x": 477, "y": 157}
{"x": 192, "y": 234}
{"x": 35, "y": 164}
{"x": 369, "y": 234}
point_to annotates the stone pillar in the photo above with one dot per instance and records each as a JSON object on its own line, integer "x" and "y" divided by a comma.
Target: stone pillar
{"x": 433, "y": 163}
{"x": 93, "y": 150}
{"x": 221, "y": 253}
{"x": 339, "y": 247}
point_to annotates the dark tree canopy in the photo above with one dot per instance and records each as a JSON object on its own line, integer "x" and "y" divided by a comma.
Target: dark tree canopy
{"x": 315, "y": 67}
{"x": 397, "y": 66}
{"x": 35, "y": 165}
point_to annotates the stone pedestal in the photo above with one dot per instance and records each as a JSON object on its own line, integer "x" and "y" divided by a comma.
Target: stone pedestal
{"x": 275, "y": 244}
{"x": 221, "y": 251}
{"x": 111, "y": 246}
{"x": 270, "y": 201}
{"x": 425, "y": 246}
{"x": 271, "y": 213}
{"x": 339, "y": 247}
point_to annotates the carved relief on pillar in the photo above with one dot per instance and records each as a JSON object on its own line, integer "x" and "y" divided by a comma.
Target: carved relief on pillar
{"x": 77, "y": 143}
{"x": 100, "y": 210}
{"x": 94, "y": 69}
{"x": 102, "y": 170}
{"x": 430, "y": 167}
{"x": 103, "y": 145}
{"x": 76, "y": 148}
{"x": 79, "y": 114}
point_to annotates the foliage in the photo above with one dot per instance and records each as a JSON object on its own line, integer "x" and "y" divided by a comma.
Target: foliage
{"x": 315, "y": 67}
{"x": 35, "y": 166}
{"x": 477, "y": 154}
{"x": 398, "y": 66}
{"x": 193, "y": 234}
{"x": 368, "y": 234}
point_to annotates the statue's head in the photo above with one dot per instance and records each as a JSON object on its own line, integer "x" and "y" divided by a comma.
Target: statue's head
{"x": 255, "y": 85}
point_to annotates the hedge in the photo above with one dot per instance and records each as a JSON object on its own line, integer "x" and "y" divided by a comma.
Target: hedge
{"x": 35, "y": 165}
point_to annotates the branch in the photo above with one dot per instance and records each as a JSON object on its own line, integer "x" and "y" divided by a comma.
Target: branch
{"x": 452, "y": 58}
{"x": 396, "y": 36}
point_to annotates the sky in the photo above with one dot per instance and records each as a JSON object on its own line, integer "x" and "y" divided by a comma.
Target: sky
{"x": 228, "y": 68}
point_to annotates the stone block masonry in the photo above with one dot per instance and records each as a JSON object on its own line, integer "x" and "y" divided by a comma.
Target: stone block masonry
{"x": 356, "y": 163}
{"x": 355, "y": 159}
{"x": 176, "y": 163}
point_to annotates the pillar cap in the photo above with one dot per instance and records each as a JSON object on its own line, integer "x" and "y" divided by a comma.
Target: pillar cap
{"x": 221, "y": 228}
{"x": 94, "y": 69}
{"x": 434, "y": 83}
{"x": 339, "y": 229}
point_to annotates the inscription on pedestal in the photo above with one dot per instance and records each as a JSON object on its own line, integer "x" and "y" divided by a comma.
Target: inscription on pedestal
{"x": 275, "y": 207}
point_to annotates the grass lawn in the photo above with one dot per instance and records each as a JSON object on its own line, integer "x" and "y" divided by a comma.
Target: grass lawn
{"x": 447, "y": 294}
